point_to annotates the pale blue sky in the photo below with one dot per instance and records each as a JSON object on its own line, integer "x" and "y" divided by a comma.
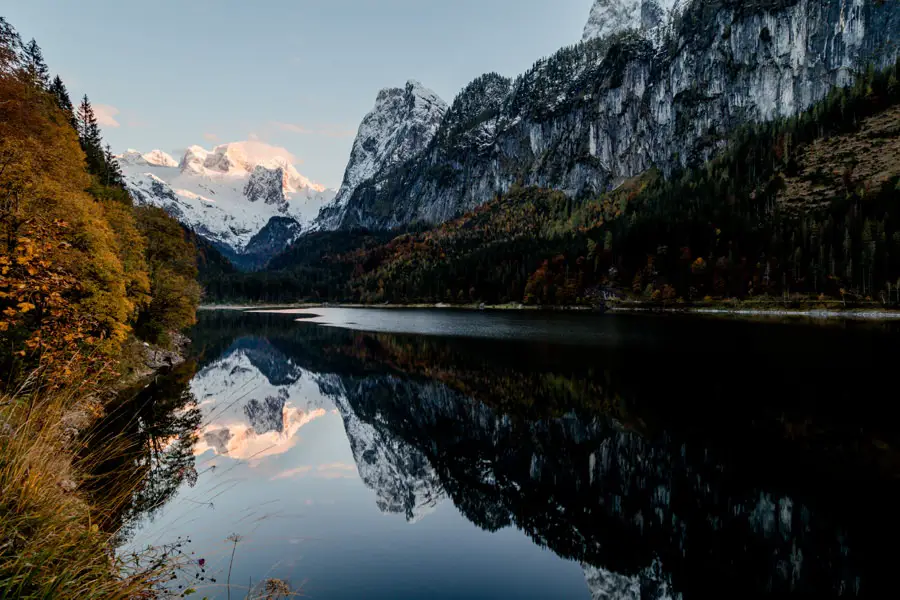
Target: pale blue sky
{"x": 182, "y": 72}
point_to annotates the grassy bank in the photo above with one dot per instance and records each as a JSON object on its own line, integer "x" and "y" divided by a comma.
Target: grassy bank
{"x": 50, "y": 545}
{"x": 87, "y": 278}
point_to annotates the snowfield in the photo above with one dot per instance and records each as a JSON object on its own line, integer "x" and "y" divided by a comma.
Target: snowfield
{"x": 227, "y": 194}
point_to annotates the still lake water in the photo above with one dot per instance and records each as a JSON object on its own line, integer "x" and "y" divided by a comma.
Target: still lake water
{"x": 451, "y": 454}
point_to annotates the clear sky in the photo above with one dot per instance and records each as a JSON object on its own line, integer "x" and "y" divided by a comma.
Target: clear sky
{"x": 295, "y": 73}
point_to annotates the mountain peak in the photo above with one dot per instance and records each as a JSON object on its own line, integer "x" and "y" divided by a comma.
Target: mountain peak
{"x": 412, "y": 91}
{"x": 241, "y": 159}
{"x": 400, "y": 126}
{"x": 609, "y": 17}
{"x": 155, "y": 158}
{"x": 159, "y": 158}
{"x": 229, "y": 195}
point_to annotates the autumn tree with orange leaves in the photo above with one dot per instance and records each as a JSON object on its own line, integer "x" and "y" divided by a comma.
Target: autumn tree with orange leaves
{"x": 76, "y": 271}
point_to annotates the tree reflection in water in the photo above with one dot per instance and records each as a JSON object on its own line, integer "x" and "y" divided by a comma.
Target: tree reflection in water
{"x": 141, "y": 452}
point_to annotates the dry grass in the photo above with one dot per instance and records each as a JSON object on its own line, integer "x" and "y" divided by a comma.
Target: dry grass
{"x": 49, "y": 545}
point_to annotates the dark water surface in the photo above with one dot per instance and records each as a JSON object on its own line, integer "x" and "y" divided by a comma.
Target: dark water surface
{"x": 441, "y": 454}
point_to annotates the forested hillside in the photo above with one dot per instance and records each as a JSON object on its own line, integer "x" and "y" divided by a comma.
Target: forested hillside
{"x": 84, "y": 277}
{"x": 797, "y": 209}
{"x": 82, "y": 267}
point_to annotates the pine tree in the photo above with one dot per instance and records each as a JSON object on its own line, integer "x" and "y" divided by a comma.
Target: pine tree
{"x": 36, "y": 70}
{"x": 893, "y": 87}
{"x": 59, "y": 91}
{"x": 113, "y": 171}
{"x": 10, "y": 47}
{"x": 89, "y": 135}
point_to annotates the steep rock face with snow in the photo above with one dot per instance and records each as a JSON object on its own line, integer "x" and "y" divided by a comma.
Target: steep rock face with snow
{"x": 401, "y": 126}
{"x": 657, "y": 83}
{"x": 266, "y": 185}
{"x": 609, "y": 17}
{"x": 246, "y": 198}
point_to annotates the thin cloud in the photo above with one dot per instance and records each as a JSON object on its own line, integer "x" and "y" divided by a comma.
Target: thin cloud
{"x": 211, "y": 137}
{"x": 105, "y": 114}
{"x": 253, "y": 137}
{"x": 337, "y": 467}
{"x": 330, "y": 471}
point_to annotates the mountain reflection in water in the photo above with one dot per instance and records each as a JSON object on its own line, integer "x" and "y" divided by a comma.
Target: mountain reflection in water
{"x": 670, "y": 458}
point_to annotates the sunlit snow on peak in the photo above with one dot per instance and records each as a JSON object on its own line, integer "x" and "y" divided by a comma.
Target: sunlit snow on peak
{"x": 215, "y": 192}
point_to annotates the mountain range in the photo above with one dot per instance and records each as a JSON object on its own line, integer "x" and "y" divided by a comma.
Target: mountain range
{"x": 246, "y": 198}
{"x": 652, "y": 84}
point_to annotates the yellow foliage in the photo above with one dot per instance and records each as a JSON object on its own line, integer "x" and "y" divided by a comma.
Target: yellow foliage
{"x": 74, "y": 272}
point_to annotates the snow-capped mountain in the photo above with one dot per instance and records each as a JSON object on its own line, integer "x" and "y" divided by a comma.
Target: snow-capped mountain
{"x": 610, "y": 17}
{"x": 656, "y": 83}
{"x": 401, "y": 126}
{"x": 229, "y": 195}
{"x": 156, "y": 158}
{"x": 255, "y": 399}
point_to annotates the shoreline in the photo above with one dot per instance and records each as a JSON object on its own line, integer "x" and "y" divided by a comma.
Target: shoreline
{"x": 849, "y": 313}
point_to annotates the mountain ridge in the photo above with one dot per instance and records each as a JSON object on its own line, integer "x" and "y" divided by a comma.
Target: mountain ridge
{"x": 399, "y": 127}
{"x": 640, "y": 95}
{"x": 245, "y": 198}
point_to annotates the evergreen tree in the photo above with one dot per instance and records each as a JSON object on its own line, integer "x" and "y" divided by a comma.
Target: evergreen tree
{"x": 36, "y": 71}
{"x": 89, "y": 135}
{"x": 113, "y": 171}
{"x": 59, "y": 91}
{"x": 10, "y": 46}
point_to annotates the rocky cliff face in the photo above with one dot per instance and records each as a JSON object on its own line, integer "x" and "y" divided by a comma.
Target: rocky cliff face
{"x": 401, "y": 126}
{"x": 402, "y": 478}
{"x": 651, "y": 17}
{"x": 266, "y": 185}
{"x": 657, "y": 83}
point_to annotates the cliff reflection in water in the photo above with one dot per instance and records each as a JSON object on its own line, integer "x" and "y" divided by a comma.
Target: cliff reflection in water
{"x": 666, "y": 468}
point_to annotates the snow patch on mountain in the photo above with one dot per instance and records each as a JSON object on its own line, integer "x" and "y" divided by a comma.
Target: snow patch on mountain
{"x": 156, "y": 158}
{"x": 227, "y": 194}
{"x": 401, "y": 126}
{"x": 649, "y": 584}
{"x": 610, "y": 17}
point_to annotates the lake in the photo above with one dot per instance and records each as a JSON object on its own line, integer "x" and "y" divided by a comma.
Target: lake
{"x": 453, "y": 454}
